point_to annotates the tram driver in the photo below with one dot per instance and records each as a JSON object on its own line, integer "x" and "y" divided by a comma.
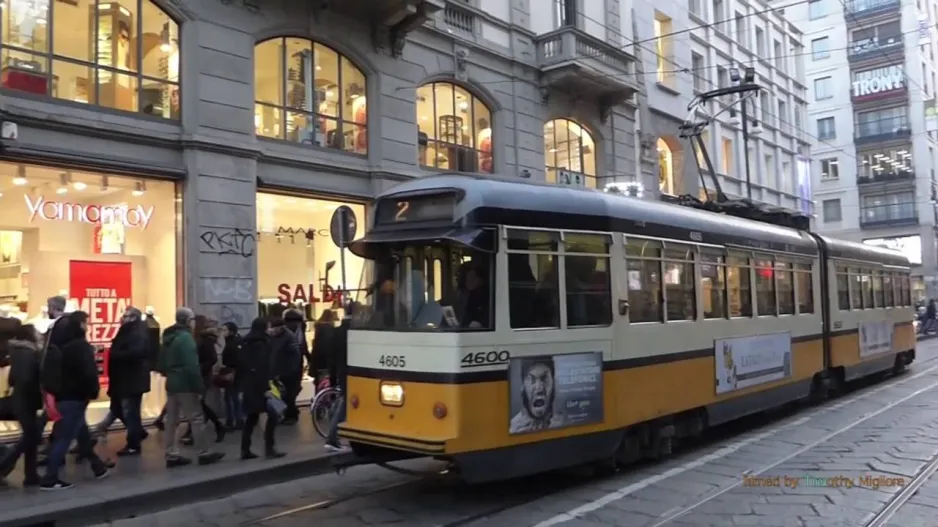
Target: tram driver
{"x": 473, "y": 308}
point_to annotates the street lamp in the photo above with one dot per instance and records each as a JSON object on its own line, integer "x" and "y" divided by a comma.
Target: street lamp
{"x": 749, "y": 76}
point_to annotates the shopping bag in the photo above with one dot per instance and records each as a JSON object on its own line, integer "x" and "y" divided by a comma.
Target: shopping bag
{"x": 276, "y": 406}
{"x": 48, "y": 404}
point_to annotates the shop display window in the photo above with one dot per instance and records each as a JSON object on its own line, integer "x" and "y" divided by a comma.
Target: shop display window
{"x": 308, "y": 93}
{"x": 122, "y": 54}
{"x": 569, "y": 154}
{"x": 105, "y": 242}
{"x": 454, "y": 129}
{"x": 298, "y": 265}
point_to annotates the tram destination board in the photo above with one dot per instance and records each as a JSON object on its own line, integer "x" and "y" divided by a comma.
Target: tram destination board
{"x": 398, "y": 210}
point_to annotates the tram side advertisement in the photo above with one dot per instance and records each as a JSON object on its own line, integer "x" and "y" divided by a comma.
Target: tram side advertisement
{"x": 742, "y": 362}
{"x": 555, "y": 391}
{"x": 876, "y": 337}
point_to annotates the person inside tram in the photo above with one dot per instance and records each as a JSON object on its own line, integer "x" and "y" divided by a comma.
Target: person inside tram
{"x": 473, "y": 308}
{"x": 387, "y": 311}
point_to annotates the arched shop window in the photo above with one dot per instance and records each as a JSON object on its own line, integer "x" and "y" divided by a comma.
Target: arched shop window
{"x": 126, "y": 57}
{"x": 569, "y": 154}
{"x": 306, "y": 92}
{"x": 454, "y": 129}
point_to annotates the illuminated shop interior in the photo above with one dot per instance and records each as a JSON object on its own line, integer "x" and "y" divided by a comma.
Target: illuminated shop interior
{"x": 454, "y": 129}
{"x": 122, "y": 54}
{"x": 53, "y": 220}
{"x": 569, "y": 150}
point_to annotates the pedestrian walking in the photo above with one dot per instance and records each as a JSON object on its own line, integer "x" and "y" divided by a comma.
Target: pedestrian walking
{"x": 179, "y": 363}
{"x": 288, "y": 365}
{"x": 338, "y": 373}
{"x": 232, "y": 377}
{"x": 24, "y": 355}
{"x": 258, "y": 373}
{"x": 129, "y": 380}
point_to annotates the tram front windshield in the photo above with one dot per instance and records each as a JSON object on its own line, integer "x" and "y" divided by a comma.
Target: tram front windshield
{"x": 419, "y": 286}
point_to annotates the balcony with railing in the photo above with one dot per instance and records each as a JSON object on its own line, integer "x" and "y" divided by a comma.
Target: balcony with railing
{"x": 861, "y": 9}
{"x": 573, "y": 61}
{"x": 881, "y": 130}
{"x": 875, "y": 49}
{"x": 888, "y": 215}
{"x": 885, "y": 177}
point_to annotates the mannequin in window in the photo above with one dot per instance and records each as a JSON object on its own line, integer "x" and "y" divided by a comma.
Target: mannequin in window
{"x": 484, "y": 143}
{"x": 360, "y": 116}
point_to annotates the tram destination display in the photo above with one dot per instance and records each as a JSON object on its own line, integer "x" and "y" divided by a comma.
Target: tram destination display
{"x": 414, "y": 209}
{"x": 555, "y": 391}
{"x": 742, "y": 362}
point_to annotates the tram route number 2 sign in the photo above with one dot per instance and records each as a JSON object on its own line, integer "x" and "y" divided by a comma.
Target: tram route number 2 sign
{"x": 103, "y": 290}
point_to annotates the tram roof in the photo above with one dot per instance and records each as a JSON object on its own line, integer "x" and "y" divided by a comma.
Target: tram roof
{"x": 863, "y": 252}
{"x": 492, "y": 200}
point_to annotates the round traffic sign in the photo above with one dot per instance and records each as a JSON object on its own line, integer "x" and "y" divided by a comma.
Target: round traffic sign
{"x": 343, "y": 226}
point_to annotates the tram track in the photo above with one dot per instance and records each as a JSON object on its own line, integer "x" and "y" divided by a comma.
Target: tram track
{"x": 905, "y": 494}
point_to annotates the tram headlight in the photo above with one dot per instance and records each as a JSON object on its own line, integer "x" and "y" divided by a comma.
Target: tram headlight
{"x": 392, "y": 394}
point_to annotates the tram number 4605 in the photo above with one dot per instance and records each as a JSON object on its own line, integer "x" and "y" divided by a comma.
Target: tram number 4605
{"x": 393, "y": 361}
{"x": 485, "y": 358}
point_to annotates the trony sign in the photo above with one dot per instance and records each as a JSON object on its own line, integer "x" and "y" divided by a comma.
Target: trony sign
{"x": 138, "y": 216}
{"x": 879, "y": 80}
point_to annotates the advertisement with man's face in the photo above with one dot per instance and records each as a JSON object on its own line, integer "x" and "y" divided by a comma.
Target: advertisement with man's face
{"x": 549, "y": 392}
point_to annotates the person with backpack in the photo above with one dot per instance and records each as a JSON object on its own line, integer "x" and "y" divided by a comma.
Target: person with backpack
{"x": 129, "y": 376}
{"x": 179, "y": 363}
{"x": 70, "y": 374}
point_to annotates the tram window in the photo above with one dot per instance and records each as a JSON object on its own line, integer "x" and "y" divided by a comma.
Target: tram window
{"x": 906, "y": 287}
{"x": 843, "y": 289}
{"x": 644, "y": 281}
{"x": 878, "y": 295}
{"x": 535, "y": 241}
{"x": 889, "y": 293}
{"x": 738, "y": 287}
{"x": 589, "y": 295}
{"x": 639, "y": 248}
{"x": 866, "y": 283}
{"x": 713, "y": 285}
{"x": 765, "y": 288}
{"x": 785, "y": 284}
{"x": 586, "y": 243}
{"x": 856, "y": 290}
{"x": 679, "y": 291}
{"x": 805, "y": 286}
{"x": 533, "y": 291}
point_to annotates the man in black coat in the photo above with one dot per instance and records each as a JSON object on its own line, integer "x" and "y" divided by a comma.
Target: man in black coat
{"x": 129, "y": 376}
{"x": 288, "y": 366}
{"x": 257, "y": 365}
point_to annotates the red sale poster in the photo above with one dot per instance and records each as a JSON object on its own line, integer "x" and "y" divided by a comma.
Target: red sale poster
{"x": 104, "y": 291}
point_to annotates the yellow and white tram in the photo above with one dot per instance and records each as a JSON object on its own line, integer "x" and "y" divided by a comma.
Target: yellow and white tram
{"x": 514, "y": 328}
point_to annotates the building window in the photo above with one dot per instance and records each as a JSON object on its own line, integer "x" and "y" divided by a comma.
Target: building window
{"x": 830, "y": 169}
{"x": 569, "y": 154}
{"x": 884, "y": 165}
{"x": 694, "y": 7}
{"x": 126, "y": 57}
{"x": 760, "y": 43}
{"x": 727, "y": 156}
{"x": 306, "y": 92}
{"x": 826, "y": 129}
{"x": 454, "y": 129}
{"x": 778, "y": 55}
{"x": 783, "y": 116}
{"x": 884, "y": 208}
{"x": 104, "y": 242}
{"x": 565, "y": 11}
{"x": 293, "y": 244}
{"x": 719, "y": 15}
{"x": 816, "y": 9}
{"x": 882, "y": 122}
{"x": 663, "y": 44}
{"x": 742, "y": 33}
{"x": 820, "y": 48}
{"x": 764, "y": 104}
{"x": 831, "y": 209}
{"x": 699, "y": 70}
{"x": 823, "y": 88}
{"x": 665, "y": 168}
{"x": 770, "y": 171}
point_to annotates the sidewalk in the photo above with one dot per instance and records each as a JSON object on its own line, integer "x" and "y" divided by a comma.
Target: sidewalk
{"x": 143, "y": 484}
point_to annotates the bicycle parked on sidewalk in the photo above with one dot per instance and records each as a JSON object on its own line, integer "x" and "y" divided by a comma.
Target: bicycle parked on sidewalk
{"x": 323, "y": 407}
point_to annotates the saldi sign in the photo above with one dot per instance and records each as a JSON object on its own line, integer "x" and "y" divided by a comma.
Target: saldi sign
{"x": 879, "y": 80}
{"x": 138, "y": 216}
